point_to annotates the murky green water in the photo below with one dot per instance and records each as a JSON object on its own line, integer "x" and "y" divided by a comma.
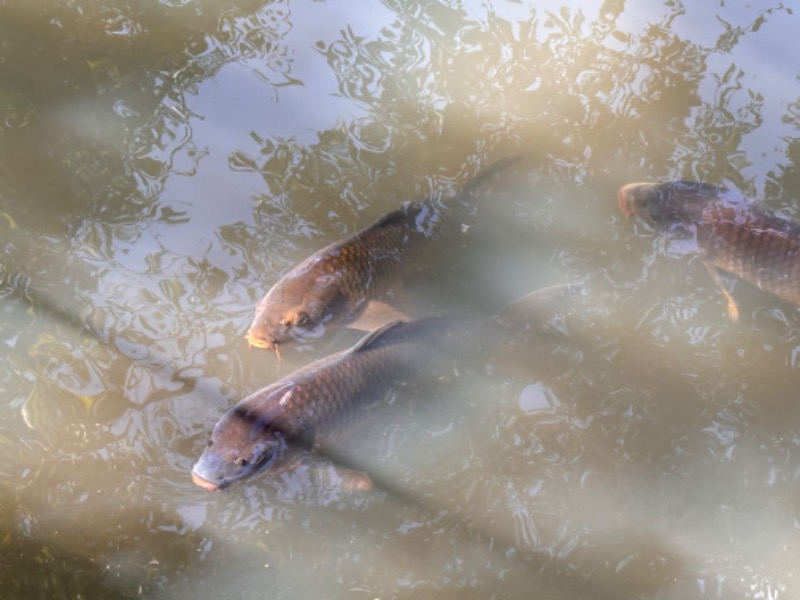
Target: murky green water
{"x": 162, "y": 163}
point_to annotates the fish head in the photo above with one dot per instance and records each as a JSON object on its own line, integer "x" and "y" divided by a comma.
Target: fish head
{"x": 294, "y": 310}
{"x": 669, "y": 203}
{"x": 639, "y": 200}
{"x": 241, "y": 445}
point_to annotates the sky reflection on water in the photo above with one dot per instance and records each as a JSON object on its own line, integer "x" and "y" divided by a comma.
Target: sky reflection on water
{"x": 163, "y": 163}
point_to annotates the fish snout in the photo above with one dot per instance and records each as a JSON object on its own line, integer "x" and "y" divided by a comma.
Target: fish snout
{"x": 261, "y": 335}
{"x": 265, "y": 343}
{"x": 632, "y": 199}
{"x": 198, "y": 479}
{"x": 625, "y": 200}
{"x": 260, "y": 341}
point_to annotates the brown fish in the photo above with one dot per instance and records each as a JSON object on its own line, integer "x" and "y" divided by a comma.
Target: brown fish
{"x": 332, "y": 287}
{"x": 733, "y": 235}
{"x": 315, "y": 400}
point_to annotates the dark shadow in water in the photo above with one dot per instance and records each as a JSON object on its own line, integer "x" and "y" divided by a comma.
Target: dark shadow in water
{"x": 49, "y": 555}
{"x": 32, "y": 570}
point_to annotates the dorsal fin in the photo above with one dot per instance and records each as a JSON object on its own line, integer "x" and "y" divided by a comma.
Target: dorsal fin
{"x": 390, "y": 218}
{"x": 402, "y": 214}
{"x": 375, "y": 315}
{"x": 371, "y": 338}
{"x": 487, "y": 173}
{"x": 534, "y": 311}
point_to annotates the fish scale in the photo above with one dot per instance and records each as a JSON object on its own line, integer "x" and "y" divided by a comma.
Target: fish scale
{"x": 758, "y": 254}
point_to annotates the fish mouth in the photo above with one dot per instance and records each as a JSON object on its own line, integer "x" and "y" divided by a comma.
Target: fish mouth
{"x": 258, "y": 342}
{"x": 262, "y": 343}
{"x": 631, "y": 198}
{"x": 205, "y": 483}
{"x": 625, "y": 199}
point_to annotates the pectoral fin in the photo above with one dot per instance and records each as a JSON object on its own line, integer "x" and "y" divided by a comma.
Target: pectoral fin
{"x": 325, "y": 473}
{"x": 377, "y": 314}
{"x": 351, "y": 480}
{"x": 732, "y": 308}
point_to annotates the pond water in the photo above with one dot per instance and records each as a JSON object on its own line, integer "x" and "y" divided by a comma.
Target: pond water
{"x": 164, "y": 162}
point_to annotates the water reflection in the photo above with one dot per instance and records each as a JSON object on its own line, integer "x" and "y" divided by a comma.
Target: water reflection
{"x": 164, "y": 163}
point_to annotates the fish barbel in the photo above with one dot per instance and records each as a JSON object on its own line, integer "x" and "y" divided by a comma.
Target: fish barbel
{"x": 733, "y": 235}
{"x": 314, "y": 401}
{"x": 333, "y": 286}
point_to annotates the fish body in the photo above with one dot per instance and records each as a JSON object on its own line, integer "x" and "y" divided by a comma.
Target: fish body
{"x": 313, "y": 402}
{"x": 332, "y": 287}
{"x": 734, "y": 235}
{"x": 321, "y": 397}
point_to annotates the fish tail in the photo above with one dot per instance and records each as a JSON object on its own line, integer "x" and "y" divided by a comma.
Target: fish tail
{"x": 531, "y": 312}
{"x": 487, "y": 173}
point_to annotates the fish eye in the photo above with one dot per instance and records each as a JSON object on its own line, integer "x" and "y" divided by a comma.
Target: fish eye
{"x": 241, "y": 461}
{"x": 302, "y": 319}
{"x": 282, "y": 321}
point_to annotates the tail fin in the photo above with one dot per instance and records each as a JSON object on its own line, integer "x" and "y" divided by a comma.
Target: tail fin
{"x": 487, "y": 173}
{"x": 534, "y": 312}
{"x": 531, "y": 329}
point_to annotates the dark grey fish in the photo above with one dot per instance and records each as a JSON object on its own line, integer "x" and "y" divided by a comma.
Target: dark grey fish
{"x": 333, "y": 287}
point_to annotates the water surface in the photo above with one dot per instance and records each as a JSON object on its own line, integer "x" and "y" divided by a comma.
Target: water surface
{"x": 162, "y": 164}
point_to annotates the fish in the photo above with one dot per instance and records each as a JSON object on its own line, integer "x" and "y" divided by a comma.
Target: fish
{"x": 734, "y": 235}
{"x": 313, "y": 403}
{"x": 336, "y": 285}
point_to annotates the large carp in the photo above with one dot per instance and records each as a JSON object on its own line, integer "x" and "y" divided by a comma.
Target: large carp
{"x": 733, "y": 234}
{"x": 311, "y": 403}
{"x": 334, "y": 286}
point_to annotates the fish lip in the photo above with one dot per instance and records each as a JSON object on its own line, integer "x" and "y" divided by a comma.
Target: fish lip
{"x": 204, "y": 483}
{"x": 259, "y": 342}
{"x": 630, "y": 204}
{"x": 624, "y": 201}
{"x": 262, "y": 343}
